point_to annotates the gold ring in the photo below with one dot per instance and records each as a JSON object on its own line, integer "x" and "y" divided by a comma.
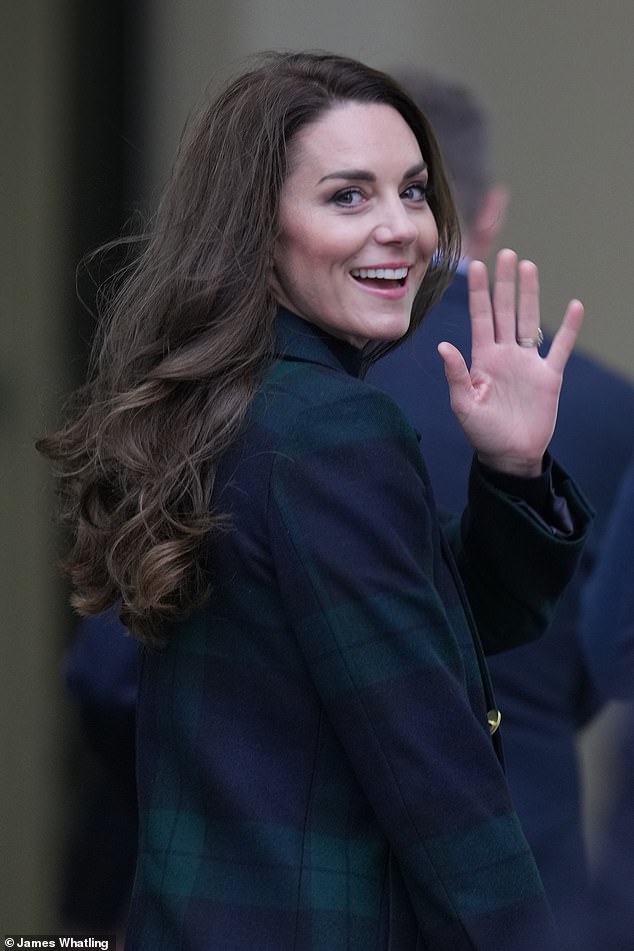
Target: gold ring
{"x": 532, "y": 341}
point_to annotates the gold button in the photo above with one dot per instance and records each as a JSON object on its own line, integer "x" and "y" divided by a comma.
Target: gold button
{"x": 494, "y": 718}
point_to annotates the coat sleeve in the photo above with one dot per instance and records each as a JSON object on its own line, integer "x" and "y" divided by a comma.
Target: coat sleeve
{"x": 513, "y": 565}
{"x": 356, "y": 542}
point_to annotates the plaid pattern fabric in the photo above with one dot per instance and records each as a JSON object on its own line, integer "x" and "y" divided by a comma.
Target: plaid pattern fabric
{"x": 314, "y": 762}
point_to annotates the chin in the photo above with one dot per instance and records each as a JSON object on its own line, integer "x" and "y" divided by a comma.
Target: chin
{"x": 392, "y": 329}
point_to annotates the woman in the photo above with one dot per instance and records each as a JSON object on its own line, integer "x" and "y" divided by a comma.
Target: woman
{"x": 316, "y": 766}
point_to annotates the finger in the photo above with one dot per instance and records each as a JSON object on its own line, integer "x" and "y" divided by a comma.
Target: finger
{"x": 480, "y": 309}
{"x": 457, "y": 375}
{"x": 528, "y": 303}
{"x": 504, "y": 296}
{"x": 566, "y": 337}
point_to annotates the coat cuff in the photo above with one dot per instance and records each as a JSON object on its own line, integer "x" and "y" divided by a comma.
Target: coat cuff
{"x": 537, "y": 495}
{"x": 527, "y": 563}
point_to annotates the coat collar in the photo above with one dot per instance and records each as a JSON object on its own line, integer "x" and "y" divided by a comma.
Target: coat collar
{"x": 296, "y": 339}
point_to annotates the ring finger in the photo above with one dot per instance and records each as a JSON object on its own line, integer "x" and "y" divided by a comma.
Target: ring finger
{"x": 528, "y": 303}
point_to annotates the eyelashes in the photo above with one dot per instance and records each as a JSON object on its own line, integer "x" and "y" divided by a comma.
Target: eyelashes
{"x": 421, "y": 190}
{"x": 353, "y": 197}
{"x": 348, "y": 197}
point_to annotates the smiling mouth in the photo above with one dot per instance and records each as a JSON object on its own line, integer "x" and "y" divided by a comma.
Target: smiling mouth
{"x": 384, "y": 277}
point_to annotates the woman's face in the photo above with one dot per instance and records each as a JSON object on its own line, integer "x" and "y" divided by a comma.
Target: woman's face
{"x": 356, "y": 232}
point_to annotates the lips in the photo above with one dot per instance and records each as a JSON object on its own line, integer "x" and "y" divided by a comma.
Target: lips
{"x": 381, "y": 277}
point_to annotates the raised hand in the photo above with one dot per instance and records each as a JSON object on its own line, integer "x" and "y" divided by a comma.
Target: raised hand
{"x": 507, "y": 401}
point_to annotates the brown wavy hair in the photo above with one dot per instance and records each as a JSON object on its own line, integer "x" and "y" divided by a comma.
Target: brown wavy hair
{"x": 187, "y": 332}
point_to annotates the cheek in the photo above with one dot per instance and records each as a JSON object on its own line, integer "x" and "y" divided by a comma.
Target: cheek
{"x": 291, "y": 264}
{"x": 313, "y": 246}
{"x": 430, "y": 235}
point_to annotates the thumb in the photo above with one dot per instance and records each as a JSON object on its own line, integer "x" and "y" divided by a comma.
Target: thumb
{"x": 456, "y": 371}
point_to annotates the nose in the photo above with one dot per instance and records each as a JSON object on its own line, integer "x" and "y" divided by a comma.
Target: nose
{"x": 395, "y": 224}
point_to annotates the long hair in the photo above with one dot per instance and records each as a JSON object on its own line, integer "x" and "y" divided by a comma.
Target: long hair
{"x": 187, "y": 333}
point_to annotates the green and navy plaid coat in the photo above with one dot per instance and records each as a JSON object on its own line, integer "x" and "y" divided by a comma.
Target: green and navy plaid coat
{"x": 315, "y": 767}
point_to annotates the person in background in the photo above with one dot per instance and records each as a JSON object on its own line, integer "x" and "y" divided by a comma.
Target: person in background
{"x": 607, "y": 635}
{"x": 607, "y": 624}
{"x": 317, "y": 754}
{"x": 545, "y": 690}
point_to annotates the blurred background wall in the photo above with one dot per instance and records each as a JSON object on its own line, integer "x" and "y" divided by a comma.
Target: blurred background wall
{"x": 94, "y": 98}
{"x": 34, "y": 156}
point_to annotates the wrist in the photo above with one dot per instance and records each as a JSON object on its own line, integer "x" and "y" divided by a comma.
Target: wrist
{"x": 508, "y": 465}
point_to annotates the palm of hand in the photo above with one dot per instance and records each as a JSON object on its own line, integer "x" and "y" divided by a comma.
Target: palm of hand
{"x": 507, "y": 402}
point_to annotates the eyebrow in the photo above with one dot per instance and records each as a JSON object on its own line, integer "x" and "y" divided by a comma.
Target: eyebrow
{"x": 359, "y": 175}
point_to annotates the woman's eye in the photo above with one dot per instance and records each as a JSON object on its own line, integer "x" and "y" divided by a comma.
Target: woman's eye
{"x": 348, "y": 197}
{"x": 417, "y": 191}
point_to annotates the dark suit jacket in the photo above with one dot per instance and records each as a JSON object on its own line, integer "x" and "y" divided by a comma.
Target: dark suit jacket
{"x": 612, "y": 924}
{"x": 607, "y": 634}
{"x": 315, "y": 767}
{"x": 544, "y": 689}
{"x": 607, "y": 628}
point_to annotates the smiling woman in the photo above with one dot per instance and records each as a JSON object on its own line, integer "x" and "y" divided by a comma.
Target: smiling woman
{"x": 319, "y": 765}
{"x": 354, "y": 245}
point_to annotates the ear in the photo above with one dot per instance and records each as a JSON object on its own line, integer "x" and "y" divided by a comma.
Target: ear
{"x": 488, "y": 223}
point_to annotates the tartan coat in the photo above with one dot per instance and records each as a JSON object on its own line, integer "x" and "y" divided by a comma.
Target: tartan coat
{"x": 546, "y": 689}
{"x": 314, "y": 761}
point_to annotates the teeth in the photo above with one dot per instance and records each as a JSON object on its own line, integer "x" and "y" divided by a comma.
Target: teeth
{"x": 387, "y": 273}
